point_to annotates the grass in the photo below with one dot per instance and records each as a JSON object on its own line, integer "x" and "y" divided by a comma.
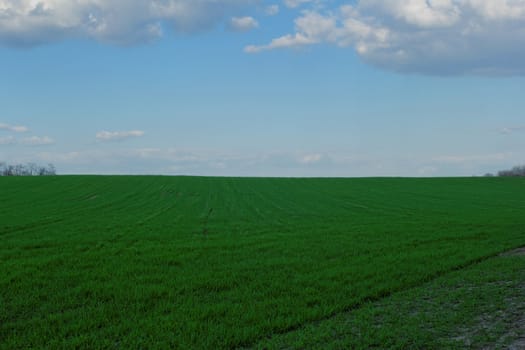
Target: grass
{"x": 479, "y": 307}
{"x": 189, "y": 262}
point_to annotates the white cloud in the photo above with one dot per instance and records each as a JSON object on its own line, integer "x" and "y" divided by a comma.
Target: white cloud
{"x": 14, "y": 128}
{"x": 311, "y": 28}
{"x": 311, "y": 158}
{"x": 37, "y": 141}
{"x": 271, "y": 10}
{"x": 31, "y": 22}
{"x": 296, "y": 3}
{"x": 441, "y": 37}
{"x": 477, "y": 158}
{"x": 7, "y": 140}
{"x": 286, "y": 41}
{"x": 243, "y": 24}
{"x": 188, "y": 161}
{"x": 118, "y": 135}
{"x": 28, "y": 141}
{"x": 510, "y": 130}
{"x": 498, "y": 9}
{"x": 425, "y": 14}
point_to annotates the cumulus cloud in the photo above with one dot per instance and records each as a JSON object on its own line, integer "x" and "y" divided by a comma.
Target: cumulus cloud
{"x": 118, "y": 135}
{"x": 243, "y": 24}
{"x": 311, "y": 28}
{"x": 441, "y": 37}
{"x": 14, "y": 128}
{"x": 32, "y": 22}
{"x": 37, "y": 141}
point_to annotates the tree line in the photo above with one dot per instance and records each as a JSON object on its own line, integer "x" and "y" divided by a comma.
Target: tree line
{"x": 29, "y": 169}
{"x": 516, "y": 171}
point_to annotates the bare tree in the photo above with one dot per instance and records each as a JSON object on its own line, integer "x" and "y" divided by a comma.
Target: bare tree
{"x": 10, "y": 170}
{"x": 42, "y": 171}
{"x": 32, "y": 169}
{"x": 51, "y": 170}
{"x": 21, "y": 170}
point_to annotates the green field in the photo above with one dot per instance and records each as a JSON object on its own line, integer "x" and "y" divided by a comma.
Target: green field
{"x": 194, "y": 262}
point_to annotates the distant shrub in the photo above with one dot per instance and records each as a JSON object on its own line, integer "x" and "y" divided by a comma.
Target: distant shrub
{"x": 516, "y": 171}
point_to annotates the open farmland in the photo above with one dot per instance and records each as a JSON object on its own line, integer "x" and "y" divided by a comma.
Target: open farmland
{"x": 194, "y": 262}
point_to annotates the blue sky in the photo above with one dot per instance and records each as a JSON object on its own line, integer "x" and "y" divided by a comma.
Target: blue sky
{"x": 263, "y": 88}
